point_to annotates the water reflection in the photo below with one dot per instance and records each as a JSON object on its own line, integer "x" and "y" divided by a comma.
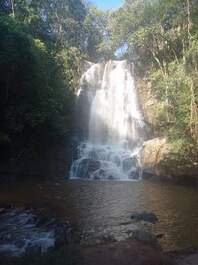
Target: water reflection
{"x": 98, "y": 206}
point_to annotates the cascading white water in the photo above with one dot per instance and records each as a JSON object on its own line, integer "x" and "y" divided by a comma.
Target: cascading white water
{"x": 115, "y": 124}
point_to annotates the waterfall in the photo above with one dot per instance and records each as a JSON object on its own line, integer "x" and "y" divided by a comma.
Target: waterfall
{"x": 115, "y": 124}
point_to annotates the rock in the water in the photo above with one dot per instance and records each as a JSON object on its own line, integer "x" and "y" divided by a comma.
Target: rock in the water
{"x": 144, "y": 236}
{"x": 158, "y": 236}
{"x": 86, "y": 167}
{"x": 27, "y": 231}
{"x": 108, "y": 238}
{"x": 2, "y": 210}
{"x": 63, "y": 234}
{"x": 60, "y": 235}
{"x": 33, "y": 250}
{"x": 128, "y": 163}
{"x": 144, "y": 216}
{"x": 134, "y": 174}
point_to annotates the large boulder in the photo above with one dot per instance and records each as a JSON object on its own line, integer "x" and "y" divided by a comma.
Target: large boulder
{"x": 128, "y": 163}
{"x": 85, "y": 167}
{"x": 144, "y": 236}
{"x": 159, "y": 162}
{"x": 154, "y": 152}
{"x": 159, "y": 159}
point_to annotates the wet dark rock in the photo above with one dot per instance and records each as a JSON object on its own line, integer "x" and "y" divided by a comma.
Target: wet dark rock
{"x": 28, "y": 231}
{"x": 50, "y": 222}
{"x": 108, "y": 238}
{"x": 144, "y": 236}
{"x": 8, "y": 236}
{"x": 42, "y": 220}
{"x": 87, "y": 167}
{"x": 2, "y": 210}
{"x": 128, "y": 163}
{"x": 60, "y": 235}
{"x": 69, "y": 231}
{"x": 134, "y": 174}
{"x": 20, "y": 243}
{"x": 101, "y": 173}
{"x": 63, "y": 234}
{"x": 159, "y": 236}
{"x": 33, "y": 250}
{"x": 147, "y": 174}
{"x": 144, "y": 216}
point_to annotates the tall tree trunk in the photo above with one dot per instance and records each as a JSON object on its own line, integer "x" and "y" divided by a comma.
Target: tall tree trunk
{"x": 189, "y": 21}
{"x": 7, "y": 87}
{"x": 12, "y": 4}
{"x": 167, "y": 95}
{"x": 193, "y": 113}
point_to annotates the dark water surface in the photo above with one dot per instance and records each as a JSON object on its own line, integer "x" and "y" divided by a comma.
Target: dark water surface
{"x": 104, "y": 207}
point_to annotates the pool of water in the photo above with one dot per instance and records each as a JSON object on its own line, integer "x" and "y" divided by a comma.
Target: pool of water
{"x": 104, "y": 207}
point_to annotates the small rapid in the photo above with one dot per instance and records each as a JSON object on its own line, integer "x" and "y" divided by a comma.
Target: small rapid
{"x": 115, "y": 124}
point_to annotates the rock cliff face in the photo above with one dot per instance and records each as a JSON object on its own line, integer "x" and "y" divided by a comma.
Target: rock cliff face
{"x": 157, "y": 156}
{"x": 154, "y": 152}
{"x": 148, "y": 102}
{"x": 159, "y": 163}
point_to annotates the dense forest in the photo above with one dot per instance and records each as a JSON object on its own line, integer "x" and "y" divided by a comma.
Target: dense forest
{"x": 160, "y": 37}
{"x": 43, "y": 45}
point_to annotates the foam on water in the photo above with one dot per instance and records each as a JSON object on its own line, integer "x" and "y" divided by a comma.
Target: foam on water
{"x": 19, "y": 233}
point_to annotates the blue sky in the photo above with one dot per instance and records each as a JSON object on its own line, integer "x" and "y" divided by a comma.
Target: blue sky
{"x": 107, "y": 4}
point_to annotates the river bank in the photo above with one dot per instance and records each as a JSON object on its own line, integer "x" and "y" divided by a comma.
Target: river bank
{"x": 125, "y": 253}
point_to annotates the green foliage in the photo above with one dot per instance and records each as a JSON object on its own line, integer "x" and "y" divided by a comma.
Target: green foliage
{"x": 162, "y": 41}
{"x": 178, "y": 149}
{"x": 191, "y": 62}
{"x": 43, "y": 43}
{"x": 97, "y": 30}
{"x": 36, "y": 91}
{"x": 71, "y": 58}
{"x": 42, "y": 46}
{"x": 176, "y": 104}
